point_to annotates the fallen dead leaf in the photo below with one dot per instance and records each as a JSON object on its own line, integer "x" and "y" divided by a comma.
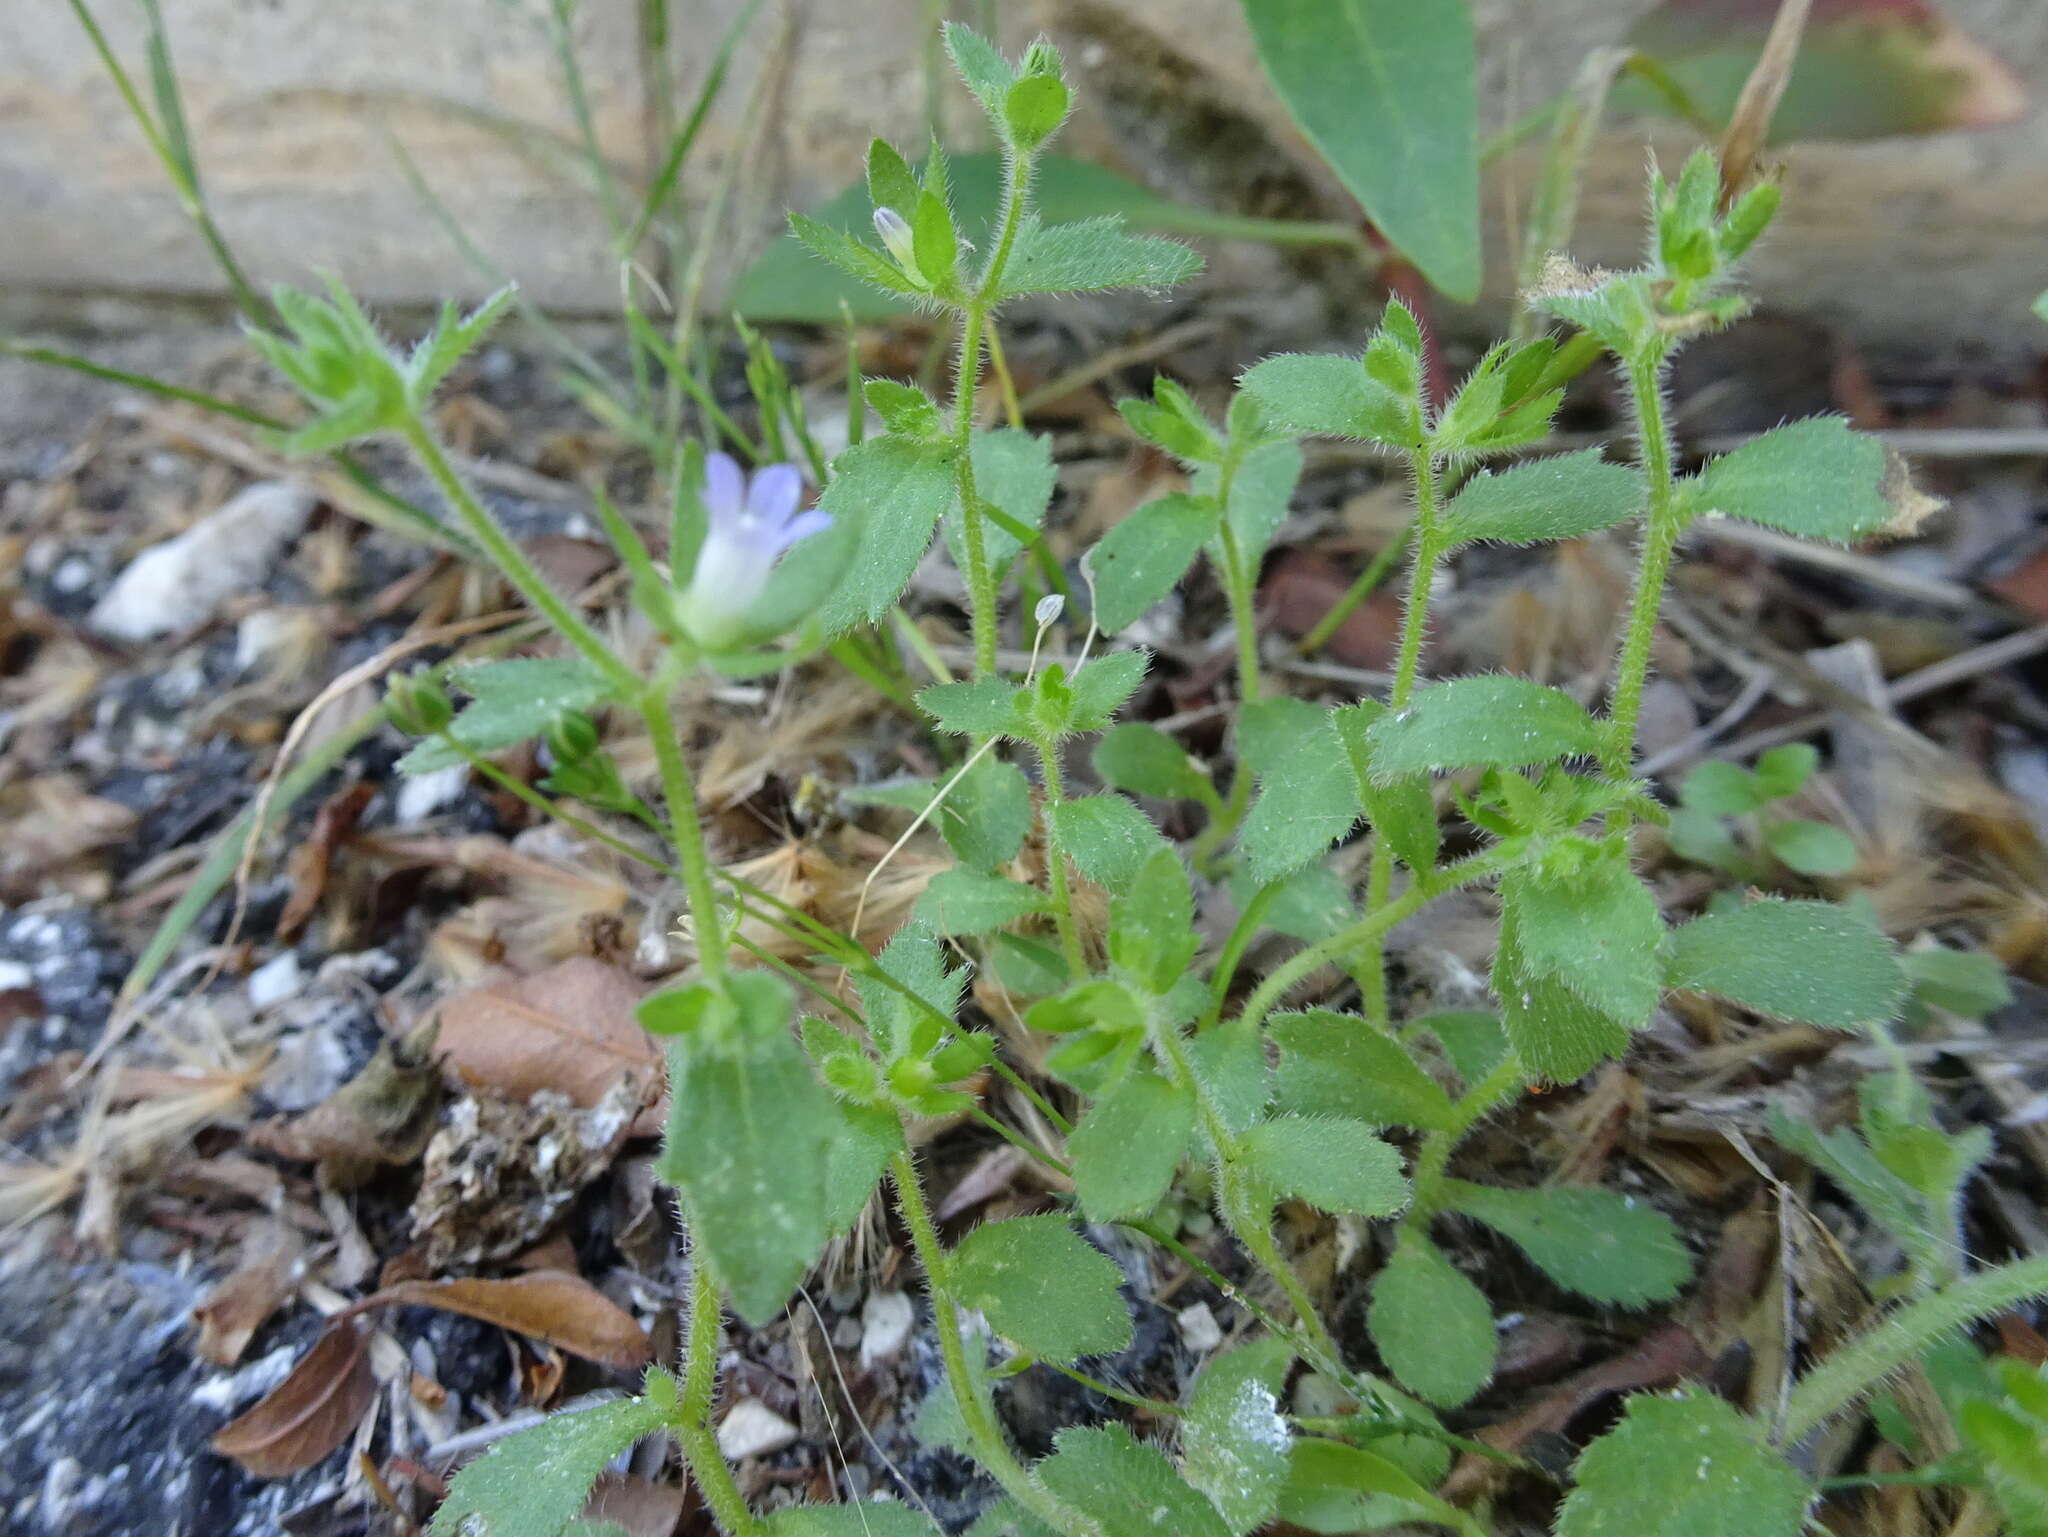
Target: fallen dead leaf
{"x": 383, "y": 1115}
{"x": 548, "y": 1305}
{"x": 245, "y": 1298}
{"x": 50, "y": 824}
{"x": 569, "y": 1028}
{"x": 311, "y": 860}
{"x": 310, "y": 1413}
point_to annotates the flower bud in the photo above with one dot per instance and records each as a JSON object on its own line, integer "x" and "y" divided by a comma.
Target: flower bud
{"x": 417, "y": 704}
{"x": 895, "y": 232}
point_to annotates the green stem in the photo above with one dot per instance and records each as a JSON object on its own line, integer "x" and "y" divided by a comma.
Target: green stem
{"x": 511, "y": 561}
{"x": 1429, "y": 553}
{"x": 686, "y": 832}
{"x": 981, "y": 583}
{"x": 1254, "y": 1229}
{"x": 1663, "y": 524}
{"x": 692, "y": 1422}
{"x": 1371, "y": 928}
{"x": 991, "y": 1447}
{"x": 1056, "y": 862}
{"x": 1434, "y": 1156}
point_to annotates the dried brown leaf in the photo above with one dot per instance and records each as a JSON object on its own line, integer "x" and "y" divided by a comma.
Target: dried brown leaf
{"x": 570, "y": 1028}
{"x": 310, "y": 1413}
{"x": 244, "y": 1299}
{"x": 383, "y": 1115}
{"x": 311, "y": 860}
{"x": 548, "y": 1305}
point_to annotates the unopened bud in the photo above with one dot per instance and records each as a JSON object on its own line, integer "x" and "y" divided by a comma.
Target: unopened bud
{"x": 895, "y": 232}
{"x": 1049, "y": 609}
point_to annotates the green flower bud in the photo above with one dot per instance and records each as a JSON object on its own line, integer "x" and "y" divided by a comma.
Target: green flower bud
{"x": 417, "y": 704}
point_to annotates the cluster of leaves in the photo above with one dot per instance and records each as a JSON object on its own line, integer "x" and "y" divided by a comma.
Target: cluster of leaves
{"x": 783, "y": 1128}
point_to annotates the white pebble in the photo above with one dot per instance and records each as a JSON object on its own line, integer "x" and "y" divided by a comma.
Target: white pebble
{"x": 886, "y": 1319}
{"x": 276, "y": 980}
{"x": 1199, "y": 1330}
{"x": 753, "y": 1430}
{"x": 177, "y": 585}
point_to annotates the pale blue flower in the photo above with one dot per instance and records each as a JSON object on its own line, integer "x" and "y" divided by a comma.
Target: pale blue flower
{"x": 748, "y": 524}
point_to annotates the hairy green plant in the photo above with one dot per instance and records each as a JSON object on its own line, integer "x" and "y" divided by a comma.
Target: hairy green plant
{"x": 1181, "y": 1083}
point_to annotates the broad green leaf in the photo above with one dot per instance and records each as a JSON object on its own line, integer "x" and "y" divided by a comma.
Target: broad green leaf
{"x": 534, "y": 1482}
{"x": 1338, "y": 1488}
{"x": 1310, "y": 905}
{"x": 1026, "y": 967}
{"x": 891, "y": 182}
{"x": 861, "y": 1518}
{"x": 1043, "y": 1287}
{"x": 1684, "y": 1466}
{"x": 1387, "y": 92}
{"x": 511, "y": 702}
{"x": 1103, "y": 686}
{"x": 1433, "y": 1327}
{"x": 1558, "y": 1035}
{"x": 1866, "y": 69}
{"x": 986, "y": 817}
{"x": 1557, "y": 498}
{"x": 986, "y": 708}
{"x": 1108, "y": 838}
{"x": 1602, "y": 1245}
{"x": 1965, "y": 982}
{"x": 856, "y": 1152}
{"x": 788, "y": 283}
{"x": 1489, "y": 721}
{"x": 1320, "y": 392}
{"x": 1330, "y": 1162}
{"x": 1138, "y": 562}
{"x": 1233, "y": 1441}
{"x": 1814, "y": 962}
{"x": 916, "y": 960}
{"x": 1812, "y": 848}
{"x": 1129, "y": 1488}
{"x": 1144, "y": 760}
{"x": 894, "y": 492}
{"x": 1816, "y": 478}
{"x": 1129, "y": 1144}
{"x": 747, "y": 1148}
{"x": 1269, "y": 729}
{"x": 1704, "y": 839}
{"x": 1093, "y": 254}
{"x": 1595, "y": 929}
{"x": 1013, "y": 472}
{"x": 1338, "y": 1064}
{"x": 962, "y": 902}
{"x": 1307, "y": 798}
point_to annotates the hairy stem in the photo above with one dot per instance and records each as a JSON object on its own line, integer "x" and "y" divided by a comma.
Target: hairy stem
{"x": 1370, "y": 929}
{"x": 1664, "y": 522}
{"x": 991, "y": 1447}
{"x": 1859, "y": 1366}
{"x": 982, "y": 597}
{"x": 511, "y": 561}
{"x": 1056, "y": 862}
{"x": 686, "y": 832}
{"x": 692, "y": 1422}
{"x": 1429, "y": 551}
